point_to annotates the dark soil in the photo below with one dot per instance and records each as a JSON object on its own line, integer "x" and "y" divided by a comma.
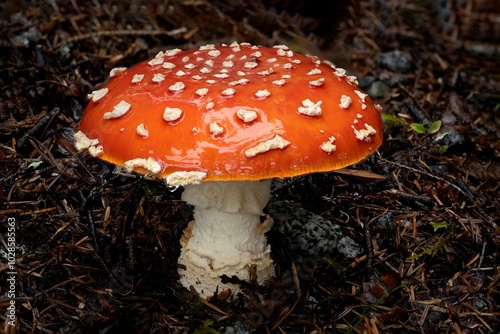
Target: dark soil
{"x": 96, "y": 247}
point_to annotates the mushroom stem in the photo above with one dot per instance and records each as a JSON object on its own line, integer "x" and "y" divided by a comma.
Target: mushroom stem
{"x": 227, "y": 236}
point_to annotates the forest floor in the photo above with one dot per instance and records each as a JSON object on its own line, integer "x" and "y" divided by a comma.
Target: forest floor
{"x": 96, "y": 248}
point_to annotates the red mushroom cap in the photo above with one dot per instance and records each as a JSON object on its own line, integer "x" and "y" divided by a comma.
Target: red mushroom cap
{"x": 237, "y": 112}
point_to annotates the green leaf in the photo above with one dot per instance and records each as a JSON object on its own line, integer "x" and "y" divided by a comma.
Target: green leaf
{"x": 434, "y": 245}
{"x": 35, "y": 164}
{"x": 435, "y": 127}
{"x": 439, "y": 225}
{"x": 418, "y": 128}
{"x": 392, "y": 121}
{"x": 207, "y": 328}
{"x": 442, "y": 149}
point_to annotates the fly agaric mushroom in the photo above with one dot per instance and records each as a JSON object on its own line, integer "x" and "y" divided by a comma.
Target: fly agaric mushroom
{"x": 223, "y": 121}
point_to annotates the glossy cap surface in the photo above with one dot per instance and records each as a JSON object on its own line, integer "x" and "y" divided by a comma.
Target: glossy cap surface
{"x": 236, "y": 112}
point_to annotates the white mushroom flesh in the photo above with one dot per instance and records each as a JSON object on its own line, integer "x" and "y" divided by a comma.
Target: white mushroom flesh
{"x": 148, "y": 164}
{"x": 277, "y": 142}
{"x": 364, "y": 134}
{"x": 119, "y": 110}
{"x": 172, "y": 114}
{"x": 99, "y": 94}
{"x": 310, "y": 108}
{"x": 246, "y": 116}
{"x": 142, "y": 131}
{"x": 345, "y": 102}
{"x": 216, "y": 129}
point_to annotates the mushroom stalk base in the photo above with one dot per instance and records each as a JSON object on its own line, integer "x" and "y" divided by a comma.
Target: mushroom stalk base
{"x": 226, "y": 237}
